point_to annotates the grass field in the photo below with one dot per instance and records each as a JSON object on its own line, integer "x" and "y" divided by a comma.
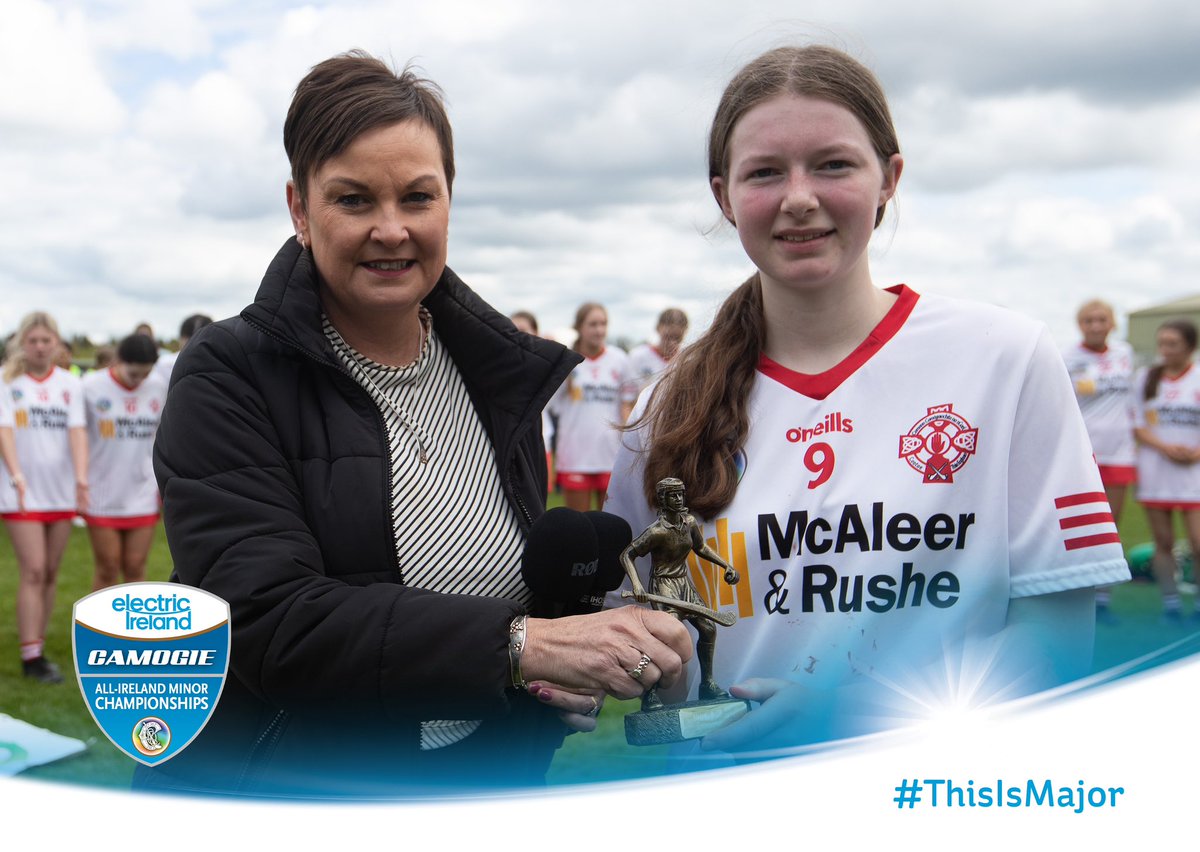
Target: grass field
{"x": 61, "y": 708}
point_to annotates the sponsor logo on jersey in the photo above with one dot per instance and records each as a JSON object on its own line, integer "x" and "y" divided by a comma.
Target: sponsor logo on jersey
{"x": 709, "y": 579}
{"x": 833, "y": 422}
{"x": 108, "y": 429}
{"x": 151, "y": 660}
{"x": 939, "y": 444}
{"x": 21, "y": 419}
{"x": 17, "y": 394}
{"x": 103, "y": 405}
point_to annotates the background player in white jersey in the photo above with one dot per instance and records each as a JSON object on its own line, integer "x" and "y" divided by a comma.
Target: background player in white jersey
{"x": 123, "y": 406}
{"x": 1168, "y": 435}
{"x": 590, "y": 406}
{"x": 11, "y": 499}
{"x": 527, "y": 323}
{"x": 903, "y": 482}
{"x": 1102, "y": 373}
{"x": 187, "y": 330}
{"x": 647, "y": 361}
{"x": 51, "y": 448}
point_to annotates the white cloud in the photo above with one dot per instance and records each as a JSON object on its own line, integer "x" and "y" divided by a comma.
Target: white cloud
{"x": 1048, "y": 148}
{"x": 53, "y": 89}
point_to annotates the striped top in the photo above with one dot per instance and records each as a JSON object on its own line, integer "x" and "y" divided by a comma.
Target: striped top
{"x": 455, "y": 531}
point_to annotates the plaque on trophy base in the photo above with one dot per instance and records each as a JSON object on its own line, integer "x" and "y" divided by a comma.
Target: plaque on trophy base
{"x": 673, "y": 723}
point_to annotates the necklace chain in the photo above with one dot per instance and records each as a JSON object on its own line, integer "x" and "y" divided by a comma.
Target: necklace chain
{"x": 406, "y": 420}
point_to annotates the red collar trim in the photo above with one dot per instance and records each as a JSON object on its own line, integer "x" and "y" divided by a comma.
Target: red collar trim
{"x": 54, "y": 369}
{"x": 821, "y": 385}
{"x": 1087, "y": 348}
{"x": 597, "y": 356}
{"x": 1187, "y": 370}
{"x": 112, "y": 375}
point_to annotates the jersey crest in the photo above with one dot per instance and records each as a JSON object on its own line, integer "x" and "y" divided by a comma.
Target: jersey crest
{"x": 939, "y": 444}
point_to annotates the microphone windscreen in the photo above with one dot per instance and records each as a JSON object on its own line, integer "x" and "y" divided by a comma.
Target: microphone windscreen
{"x": 613, "y": 535}
{"x": 560, "y": 558}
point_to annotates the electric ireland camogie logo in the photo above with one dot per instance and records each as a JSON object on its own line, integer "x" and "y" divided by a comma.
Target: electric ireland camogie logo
{"x": 151, "y": 660}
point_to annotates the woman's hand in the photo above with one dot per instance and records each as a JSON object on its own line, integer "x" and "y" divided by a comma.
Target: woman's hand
{"x": 18, "y": 481}
{"x": 599, "y": 651}
{"x": 578, "y": 709}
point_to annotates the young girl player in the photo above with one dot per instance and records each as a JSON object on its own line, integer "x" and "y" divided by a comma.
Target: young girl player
{"x": 1102, "y": 373}
{"x": 1168, "y": 436}
{"x": 51, "y": 445}
{"x": 123, "y": 406}
{"x": 903, "y": 481}
{"x": 591, "y": 406}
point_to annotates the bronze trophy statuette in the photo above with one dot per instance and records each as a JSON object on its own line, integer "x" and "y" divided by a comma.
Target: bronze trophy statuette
{"x": 668, "y": 541}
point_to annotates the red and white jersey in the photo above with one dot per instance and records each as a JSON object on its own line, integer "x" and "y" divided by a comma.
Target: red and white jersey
{"x": 1104, "y": 390}
{"x": 889, "y": 508}
{"x": 43, "y": 412}
{"x": 1173, "y": 415}
{"x": 588, "y": 408}
{"x": 646, "y": 364}
{"x": 122, "y": 423}
{"x": 8, "y": 494}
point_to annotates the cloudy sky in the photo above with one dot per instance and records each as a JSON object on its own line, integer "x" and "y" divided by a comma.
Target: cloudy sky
{"x": 1052, "y": 148}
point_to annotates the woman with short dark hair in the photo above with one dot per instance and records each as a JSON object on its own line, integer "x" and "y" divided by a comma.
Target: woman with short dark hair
{"x": 353, "y": 464}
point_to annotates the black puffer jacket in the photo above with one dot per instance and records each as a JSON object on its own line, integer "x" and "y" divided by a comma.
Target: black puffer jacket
{"x": 273, "y": 465}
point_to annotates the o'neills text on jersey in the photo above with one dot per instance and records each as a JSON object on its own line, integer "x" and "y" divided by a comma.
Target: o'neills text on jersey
{"x": 834, "y": 422}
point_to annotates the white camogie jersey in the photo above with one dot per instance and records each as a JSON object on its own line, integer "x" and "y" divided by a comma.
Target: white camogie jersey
{"x": 588, "y": 408}
{"x": 165, "y": 365}
{"x": 8, "y": 494}
{"x": 888, "y": 509}
{"x": 1173, "y": 415}
{"x": 122, "y": 422}
{"x": 1104, "y": 390}
{"x": 43, "y": 411}
{"x": 646, "y": 364}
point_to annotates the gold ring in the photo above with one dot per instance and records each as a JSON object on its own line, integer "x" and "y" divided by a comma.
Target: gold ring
{"x": 637, "y": 671}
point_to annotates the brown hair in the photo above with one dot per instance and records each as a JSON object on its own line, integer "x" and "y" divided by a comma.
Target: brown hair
{"x": 698, "y": 417}
{"x": 672, "y": 316}
{"x": 1187, "y": 330}
{"x": 527, "y": 316}
{"x": 15, "y": 365}
{"x": 581, "y": 316}
{"x": 344, "y": 97}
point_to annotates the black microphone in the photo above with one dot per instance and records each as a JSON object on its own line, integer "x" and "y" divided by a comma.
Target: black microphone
{"x": 613, "y": 535}
{"x": 560, "y": 561}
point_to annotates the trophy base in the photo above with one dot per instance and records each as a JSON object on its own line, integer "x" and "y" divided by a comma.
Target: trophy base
{"x": 674, "y": 723}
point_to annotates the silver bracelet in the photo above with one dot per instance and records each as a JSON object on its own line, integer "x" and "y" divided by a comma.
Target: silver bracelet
{"x": 516, "y": 644}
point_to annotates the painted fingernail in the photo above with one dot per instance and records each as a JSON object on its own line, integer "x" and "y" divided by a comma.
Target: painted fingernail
{"x": 545, "y": 695}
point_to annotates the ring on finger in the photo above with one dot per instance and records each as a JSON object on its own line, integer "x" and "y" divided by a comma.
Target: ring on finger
{"x": 595, "y": 711}
{"x": 637, "y": 671}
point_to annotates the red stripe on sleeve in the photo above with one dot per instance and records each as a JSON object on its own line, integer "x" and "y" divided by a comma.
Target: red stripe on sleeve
{"x": 1086, "y": 520}
{"x": 1080, "y": 499}
{"x": 1092, "y": 541}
